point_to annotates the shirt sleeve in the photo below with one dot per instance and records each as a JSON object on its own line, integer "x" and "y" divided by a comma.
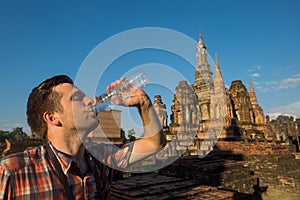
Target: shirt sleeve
{"x": 115, "y": 156}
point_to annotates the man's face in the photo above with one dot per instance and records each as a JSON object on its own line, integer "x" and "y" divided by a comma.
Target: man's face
{"x": 77, "y": 112}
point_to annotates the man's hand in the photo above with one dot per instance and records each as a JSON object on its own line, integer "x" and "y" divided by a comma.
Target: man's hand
{"x": 153, "y": 137}
{"x": 132, "y": 95}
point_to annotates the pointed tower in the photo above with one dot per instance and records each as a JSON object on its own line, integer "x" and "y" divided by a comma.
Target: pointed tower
{"x": 218, "y": 104}
{"x": 257, "y": 110}
{"x": 201, "y": 51}
{"x": 218, "y": 98}
{"x": 203, "y": 85}
{"x": 253, "y": 98}
{"x": 203, "y": 68}
{"x": 218, "y": 79}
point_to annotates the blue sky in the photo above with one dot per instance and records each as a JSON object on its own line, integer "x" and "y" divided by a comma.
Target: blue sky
{"x": 257, "y": 40}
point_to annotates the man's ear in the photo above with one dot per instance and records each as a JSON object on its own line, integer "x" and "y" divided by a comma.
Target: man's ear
{"x": 52, "y": 118}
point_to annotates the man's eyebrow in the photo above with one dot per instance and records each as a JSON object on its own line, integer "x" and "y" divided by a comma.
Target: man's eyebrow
{"x": 77, "y": 93}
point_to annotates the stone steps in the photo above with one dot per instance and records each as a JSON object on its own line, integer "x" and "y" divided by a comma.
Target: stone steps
{"x": 143, "y": 187}
{"x": 228, "y": 174}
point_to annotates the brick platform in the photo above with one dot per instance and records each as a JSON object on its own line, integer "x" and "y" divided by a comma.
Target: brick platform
{"x": 143, "y": 187}
{"x": 213, "y": 171}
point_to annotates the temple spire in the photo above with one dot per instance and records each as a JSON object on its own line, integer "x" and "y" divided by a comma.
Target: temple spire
{"x": 218, "y": 79}
{"x": 253, "y": 98}
{"x": 201, "y": 52}
{"x": 217, "y": 63}
{"x": 258, "y": 112}
{"x": 201, "y": 41}
{"x": 218, "y": 98}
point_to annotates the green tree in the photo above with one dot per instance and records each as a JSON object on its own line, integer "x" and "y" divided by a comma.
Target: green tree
{"x": 131, "y": 135}
{"x": 285, "y": 118}
{"x": 4, "y": 135}
{"x": 18, "y": 134}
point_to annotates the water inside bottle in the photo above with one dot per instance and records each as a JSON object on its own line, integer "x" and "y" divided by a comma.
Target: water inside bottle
{"x": 133, "y": 82}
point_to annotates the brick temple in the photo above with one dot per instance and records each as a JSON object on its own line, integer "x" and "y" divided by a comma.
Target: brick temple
{"x": 214, "y": 112}
{"x": 220, "y": 143}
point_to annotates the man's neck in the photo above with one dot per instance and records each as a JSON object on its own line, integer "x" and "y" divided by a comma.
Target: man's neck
{"x": 70, "y": 143}
{"x": 75, "y": 151}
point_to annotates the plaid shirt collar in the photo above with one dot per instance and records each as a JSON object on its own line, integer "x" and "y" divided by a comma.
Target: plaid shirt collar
{"x": 66, "y": 161}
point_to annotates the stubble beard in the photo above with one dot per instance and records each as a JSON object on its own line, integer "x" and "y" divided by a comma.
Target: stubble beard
{"x": 71, "y": 135}
{"x": 78, "y": 134}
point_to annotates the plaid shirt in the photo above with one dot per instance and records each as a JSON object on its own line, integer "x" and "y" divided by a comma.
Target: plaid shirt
{"x": 30, "y": 174}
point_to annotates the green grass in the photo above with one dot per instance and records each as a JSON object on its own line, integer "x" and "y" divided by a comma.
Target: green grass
{"x": 280, "y": 194}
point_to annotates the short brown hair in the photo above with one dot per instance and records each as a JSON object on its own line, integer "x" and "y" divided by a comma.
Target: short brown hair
{"x": 42, "y": 99}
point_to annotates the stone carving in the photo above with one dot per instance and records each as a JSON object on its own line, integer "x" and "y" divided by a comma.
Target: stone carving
{"x": 160, "y": 110}
{"x": 7, "y": 149}
{"x": 176, "y": 112}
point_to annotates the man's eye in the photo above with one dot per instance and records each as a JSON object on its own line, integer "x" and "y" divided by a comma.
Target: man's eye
{"x": 77, "y": 98}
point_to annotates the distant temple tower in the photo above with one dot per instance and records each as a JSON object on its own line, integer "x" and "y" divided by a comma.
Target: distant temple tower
{"x": 218, "y": 103}
{"x": 242, "y": 109}
{"x": 161, "y": 111}
{"x": 218, "y": 97}
{"x": 185, "y": 116}
{"x": 184, "y": 108}
{"x": 203, "y": 85}
{"x": 258, "y": 112}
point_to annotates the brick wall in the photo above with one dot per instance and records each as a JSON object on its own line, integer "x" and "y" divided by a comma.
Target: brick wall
{"x": 256, "y": 148}
{"x": 241, "y": 166}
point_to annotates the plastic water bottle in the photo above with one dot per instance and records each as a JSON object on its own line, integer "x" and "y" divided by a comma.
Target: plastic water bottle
{"x": 124, "y": 90}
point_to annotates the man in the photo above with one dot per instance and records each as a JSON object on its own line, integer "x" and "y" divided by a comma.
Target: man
{"x": 63, "y": 169}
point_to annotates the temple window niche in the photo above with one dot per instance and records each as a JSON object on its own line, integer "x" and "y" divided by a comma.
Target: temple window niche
{"x": 217, "y": 111}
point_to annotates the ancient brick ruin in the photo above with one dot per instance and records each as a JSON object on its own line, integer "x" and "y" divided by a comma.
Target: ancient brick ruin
{"x": 229, "y": 148}
{"x": 220, "y": 113}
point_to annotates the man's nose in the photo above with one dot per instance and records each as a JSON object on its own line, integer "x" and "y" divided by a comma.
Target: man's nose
{"x": 88, "y": 101}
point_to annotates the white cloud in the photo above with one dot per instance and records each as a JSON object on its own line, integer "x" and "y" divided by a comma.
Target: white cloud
{"x": 262, "y": 89}
{"x": 292, "y": 109}
{"x": 287, "y": 83}
{"x": 271, "y": 82}
{"x": 255, "y": 75}
{"x": 254, "y": 71}
{"x": 256, "y": 83}
{"x": 291, "y": 82}
{"x": 258, "y": 67}
{"x": 254, "y": 68}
